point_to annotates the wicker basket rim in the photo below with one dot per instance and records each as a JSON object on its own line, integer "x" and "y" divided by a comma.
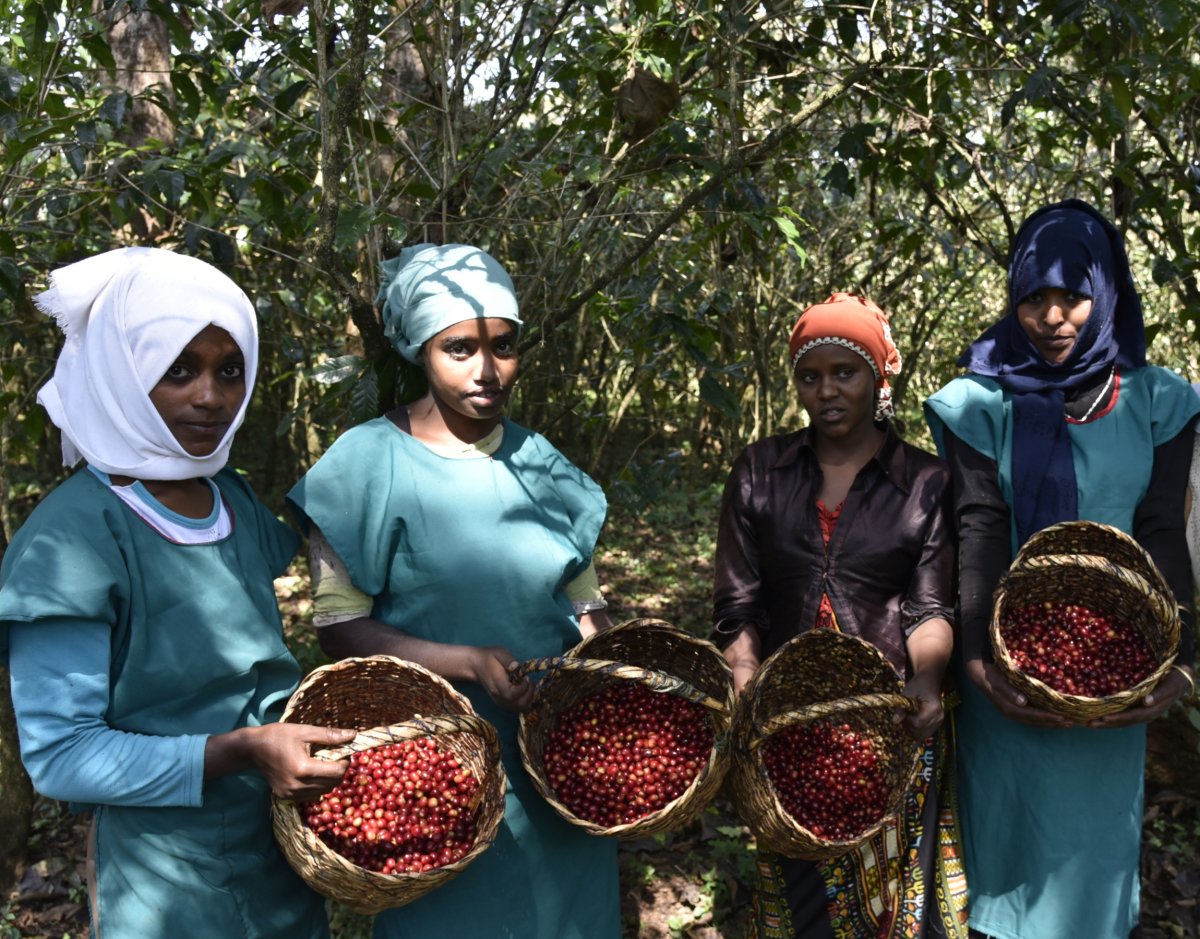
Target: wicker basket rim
{"x": 314, "y": 679}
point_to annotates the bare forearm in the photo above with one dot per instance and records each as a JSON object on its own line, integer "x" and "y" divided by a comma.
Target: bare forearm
{"x": 488, "y": 666}
{"x": 366, "y": 636}
{"x": 929, "y": 647}
{"x": 594, "y": 621}
{"x": 744, "y": 656}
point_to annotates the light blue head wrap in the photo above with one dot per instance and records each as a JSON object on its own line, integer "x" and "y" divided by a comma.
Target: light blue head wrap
{"x": 427, "y": 288}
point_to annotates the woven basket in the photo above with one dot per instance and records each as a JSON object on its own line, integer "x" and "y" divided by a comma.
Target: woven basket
{"x": 658, "y": 655}
{"x": 388, "y": 700}
{"x": 1102, "y": 568}
{"x": 817, "y": 675}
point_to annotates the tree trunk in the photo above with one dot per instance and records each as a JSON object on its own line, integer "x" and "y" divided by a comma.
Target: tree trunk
{"x": 141, "y": 48}
{"x": 16, "y": 793}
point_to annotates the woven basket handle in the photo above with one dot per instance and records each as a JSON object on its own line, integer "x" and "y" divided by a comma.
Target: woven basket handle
{"x": 418, "y": 726}
{"x": 651, "y": 678}
{"x": 828, "y": 709}
{"x": 1097, "y": 561}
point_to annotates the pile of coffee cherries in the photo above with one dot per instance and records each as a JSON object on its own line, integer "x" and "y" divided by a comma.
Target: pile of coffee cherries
{"x": 406, "y": 807}
{"x": 625, "y": 752}
{"x": 1074, "y": 649}
{"x": 828, "y": 778}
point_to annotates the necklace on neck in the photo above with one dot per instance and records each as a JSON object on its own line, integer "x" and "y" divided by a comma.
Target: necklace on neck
{"x": 1103, "y": 396}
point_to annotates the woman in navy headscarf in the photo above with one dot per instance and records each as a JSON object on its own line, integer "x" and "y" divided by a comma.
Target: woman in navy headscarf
{"x": 1060, "y": 418}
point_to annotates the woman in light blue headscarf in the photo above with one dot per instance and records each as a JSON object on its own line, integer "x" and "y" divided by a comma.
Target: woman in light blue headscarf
{"x": 447, "y": 535}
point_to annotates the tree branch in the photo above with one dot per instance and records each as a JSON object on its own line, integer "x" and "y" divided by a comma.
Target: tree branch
{"x": 758, "y": 152}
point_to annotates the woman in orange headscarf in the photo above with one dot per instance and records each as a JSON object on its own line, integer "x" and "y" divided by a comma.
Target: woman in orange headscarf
{"x": 843, "y": 525}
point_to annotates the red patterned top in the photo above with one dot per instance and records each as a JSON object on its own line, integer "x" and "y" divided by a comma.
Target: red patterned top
{"x": 828, "y": 517}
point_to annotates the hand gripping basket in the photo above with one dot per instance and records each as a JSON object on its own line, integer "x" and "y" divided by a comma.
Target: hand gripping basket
{"x": 665, "y": 659}
{"x": 1099, "y": 567}
{"x": 388, "y": 700}
{"x": 817, "y": 675}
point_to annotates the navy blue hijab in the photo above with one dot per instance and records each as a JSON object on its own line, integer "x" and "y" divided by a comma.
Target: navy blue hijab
{"x": 1071, "y": 246}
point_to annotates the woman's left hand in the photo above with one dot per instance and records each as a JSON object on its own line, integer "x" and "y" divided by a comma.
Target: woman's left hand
{"x": 1172, "y": 687}
{"x": 926, "y": 690}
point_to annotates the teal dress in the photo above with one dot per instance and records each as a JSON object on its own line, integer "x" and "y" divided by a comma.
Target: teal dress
{"x": 196, "y": 648}
{"x": 1052, "y": 818}
{"x": 477, "y": 552}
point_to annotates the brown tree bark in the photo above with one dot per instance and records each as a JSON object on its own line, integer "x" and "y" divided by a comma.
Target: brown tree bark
{"x": 141, "y": 48}
{"x": 16, "y": 793}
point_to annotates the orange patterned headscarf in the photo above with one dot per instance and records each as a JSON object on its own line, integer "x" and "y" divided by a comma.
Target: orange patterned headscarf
{"x": 857, "y": 324}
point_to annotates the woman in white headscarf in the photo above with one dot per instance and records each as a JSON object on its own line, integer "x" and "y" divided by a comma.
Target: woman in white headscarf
{"x": 137, "y": 614}
{"x": 445, "y": 534}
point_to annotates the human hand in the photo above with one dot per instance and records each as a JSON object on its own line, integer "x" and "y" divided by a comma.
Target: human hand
{"x": 1009, "y": 701}
{"x": 282, "y": 754}
{"x": 1172, "y": 687}
{"x": 743, "y": 657}
{"x": 743, "y": 671}
{"x": 491, "y": 667}
{"x": 926, "y": 690}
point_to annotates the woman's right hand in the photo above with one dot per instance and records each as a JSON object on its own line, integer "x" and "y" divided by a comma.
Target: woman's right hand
{"x": 1010, "y": 701}
{"x": 490, "y": 667}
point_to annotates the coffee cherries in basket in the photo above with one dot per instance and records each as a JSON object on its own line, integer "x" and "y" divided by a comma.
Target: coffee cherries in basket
{"x": 407, "y": 806}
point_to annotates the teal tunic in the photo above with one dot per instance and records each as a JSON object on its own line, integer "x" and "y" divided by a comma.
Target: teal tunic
{"x": 196, "y": 649}
{"x": 477, "y": 552}
{"x": 1052, "y": 819}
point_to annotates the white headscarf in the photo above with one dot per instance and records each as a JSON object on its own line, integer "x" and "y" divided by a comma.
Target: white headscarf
{"x": 127, "y": 315}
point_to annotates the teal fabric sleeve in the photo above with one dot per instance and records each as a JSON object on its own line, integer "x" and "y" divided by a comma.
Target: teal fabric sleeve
{"x": 975, "y": 411}
{"x": 278, "y": 541}
{"x": 59, "y": 678}
{"x": 1173, "y": 403}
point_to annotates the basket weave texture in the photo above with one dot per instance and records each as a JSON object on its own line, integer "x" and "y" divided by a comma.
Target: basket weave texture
{"x": 1099, "y": 567}
{"x": 820, "y": 674}
{"x": 387, "y": 700}
{"x": 660, "y": 656}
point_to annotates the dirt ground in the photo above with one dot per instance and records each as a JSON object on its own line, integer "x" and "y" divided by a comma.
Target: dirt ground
{"x": 692, "y": 884}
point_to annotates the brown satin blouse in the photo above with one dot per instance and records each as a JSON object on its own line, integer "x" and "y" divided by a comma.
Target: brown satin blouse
{"x": 888, "y": 567}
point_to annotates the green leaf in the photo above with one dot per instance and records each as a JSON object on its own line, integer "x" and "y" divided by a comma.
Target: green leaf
{"x": 223, "y": 249}
{"x": 11, "y": 83}
{"x": 354, "y": 221}
{"x": 33, "y": 423}
{"x": 1122, "y": 96}
{"x": 98, "y": 48}
{"x": 838, "y": 177}
{"x": 589, "y": 169}
{"x": 185, "y": 88}
{"x": 853, "y": 143}
{"x": 847, "y": 27}
{"x": 717, "y": 396}
{"x": 788, "y": 227}
{"x": 364, "y": 398}
{"x": 1163, "y": 271}
{"x": 286, "y": 98}
{"x": 77, "y": 157}
{"x": 10, "y": 279}
{"x": 337, "y": 369}
{"x": 112, "y": 109}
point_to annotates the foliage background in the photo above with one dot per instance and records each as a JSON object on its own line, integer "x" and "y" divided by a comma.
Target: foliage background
{"x": 668, "y": 181}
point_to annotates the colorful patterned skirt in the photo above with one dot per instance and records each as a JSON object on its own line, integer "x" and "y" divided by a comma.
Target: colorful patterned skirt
{"x": 906, "y": 882}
